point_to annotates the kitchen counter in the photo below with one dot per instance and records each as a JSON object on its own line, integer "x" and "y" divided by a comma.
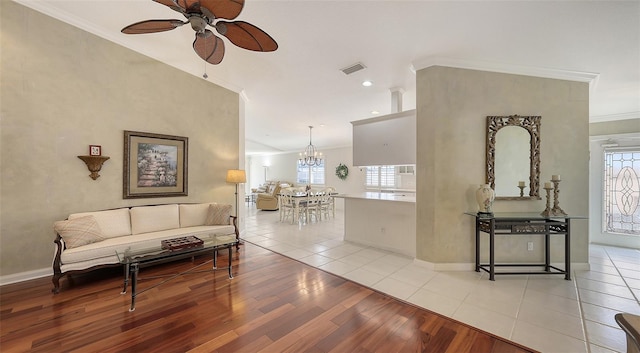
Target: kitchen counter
{"x": 384, "y": 196}
{"x": 382, "y": 220}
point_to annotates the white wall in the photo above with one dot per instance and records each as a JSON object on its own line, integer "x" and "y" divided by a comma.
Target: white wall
{"x": 282, "y": 167}
{"x": 385, "y": 140}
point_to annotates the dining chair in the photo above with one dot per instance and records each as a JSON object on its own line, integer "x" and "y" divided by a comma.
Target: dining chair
{"x": 287, "y": 205}
{"x": 298, "y": 202}
{"x": 314, "y": 198}
{"x": 330, "y": 191}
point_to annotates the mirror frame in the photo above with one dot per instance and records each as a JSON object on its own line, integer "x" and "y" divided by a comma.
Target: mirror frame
{"x": 532, "y": 125}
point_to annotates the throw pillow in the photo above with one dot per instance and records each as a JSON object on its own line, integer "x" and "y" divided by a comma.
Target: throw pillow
{"x": 79, "y": 231}
{"x": 218, "y": 215}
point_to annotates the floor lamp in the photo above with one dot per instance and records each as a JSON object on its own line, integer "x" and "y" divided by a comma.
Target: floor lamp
{"x": 237, "y": 177}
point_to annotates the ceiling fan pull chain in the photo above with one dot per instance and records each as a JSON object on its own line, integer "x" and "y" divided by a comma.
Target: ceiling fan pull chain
{"x": 205, "y": 76}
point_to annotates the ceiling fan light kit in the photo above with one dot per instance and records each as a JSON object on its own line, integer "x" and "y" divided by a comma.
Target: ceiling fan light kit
{"x": 203, "y": 13}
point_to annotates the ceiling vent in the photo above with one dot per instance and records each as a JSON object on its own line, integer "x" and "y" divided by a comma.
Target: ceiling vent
{"x": 353, "y": 68}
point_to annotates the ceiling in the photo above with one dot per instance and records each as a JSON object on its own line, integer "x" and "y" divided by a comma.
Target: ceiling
{"x": 302, "y": 84}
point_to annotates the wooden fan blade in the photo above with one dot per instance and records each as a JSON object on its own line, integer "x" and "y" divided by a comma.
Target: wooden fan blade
{"x": 172, "y": 5}
{"x": 190, "y": 6}
{"x": 152, "y": 26}
{"x": 246, "y": 35}
{"x": 209, "y": 47}
{"x": 227, "y": 9}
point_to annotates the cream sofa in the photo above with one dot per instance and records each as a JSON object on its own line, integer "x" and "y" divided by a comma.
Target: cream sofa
{"x": 89, "y": 240}
{"x": 268, "y": 200}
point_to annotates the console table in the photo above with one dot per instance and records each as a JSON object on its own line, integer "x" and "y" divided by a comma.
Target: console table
{"x": 523, "y": 223}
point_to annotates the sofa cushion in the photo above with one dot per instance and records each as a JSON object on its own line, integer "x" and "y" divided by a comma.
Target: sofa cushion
{"x": 112, "y": 223}
{"x": 146, "y": 219}
{"x": 218, "y": 215}
{"x": 79, "y": 231}
{"x": 107, "y": 249}
{"x": 193, "y": 215}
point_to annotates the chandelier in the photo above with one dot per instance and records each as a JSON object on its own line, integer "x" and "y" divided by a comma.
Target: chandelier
{"x": 310, "y": 157}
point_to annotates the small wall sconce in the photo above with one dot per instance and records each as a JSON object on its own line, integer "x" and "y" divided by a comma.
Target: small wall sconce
{"x": 94, "y": 161}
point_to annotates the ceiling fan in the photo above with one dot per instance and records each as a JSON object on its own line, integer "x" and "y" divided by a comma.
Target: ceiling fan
{"x": 203, "y": 13}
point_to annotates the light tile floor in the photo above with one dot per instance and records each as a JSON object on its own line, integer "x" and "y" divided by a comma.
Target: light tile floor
{"x": 546, "y": 313}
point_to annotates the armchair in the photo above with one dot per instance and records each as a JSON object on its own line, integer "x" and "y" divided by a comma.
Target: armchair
{"x": 269, "y": 200}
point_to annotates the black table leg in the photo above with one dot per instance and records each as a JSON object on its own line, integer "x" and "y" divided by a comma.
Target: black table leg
{"x": 477, "y": 244}
{"x": 547, "y": 248}
{"x": 126, "y": 279}
{"x": 567, "y": 251}
{"x": 134, "y": 282}
{"x": 230, "y": 275}
{"x": 492, "y": 259}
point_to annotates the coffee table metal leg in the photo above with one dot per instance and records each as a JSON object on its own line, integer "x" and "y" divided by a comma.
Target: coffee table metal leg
{"x": 230, "y": 275}
{"x": 215, "y": 259}
{"x": 134, "y": 282}
{"x": 126, "y": 279}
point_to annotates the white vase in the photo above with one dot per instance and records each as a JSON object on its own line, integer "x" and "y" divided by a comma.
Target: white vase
{"x": 485, "y": 196}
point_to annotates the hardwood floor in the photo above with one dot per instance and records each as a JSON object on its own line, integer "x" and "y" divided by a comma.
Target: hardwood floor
{"x": 273, "y": 304}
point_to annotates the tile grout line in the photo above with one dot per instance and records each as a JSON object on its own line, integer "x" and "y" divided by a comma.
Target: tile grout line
{"x": 524, "y": 292}
{"x": 583, "y": 319}
{"x": 621, "y": 276}
{"x": 585, "y": 336}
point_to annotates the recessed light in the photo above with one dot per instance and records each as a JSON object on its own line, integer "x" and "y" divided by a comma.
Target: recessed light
{"x": 375, "y": 112}
{"x": 367, "y": 83}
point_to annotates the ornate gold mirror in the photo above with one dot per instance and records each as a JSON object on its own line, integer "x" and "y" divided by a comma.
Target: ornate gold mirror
{"x": 513, "y": 156}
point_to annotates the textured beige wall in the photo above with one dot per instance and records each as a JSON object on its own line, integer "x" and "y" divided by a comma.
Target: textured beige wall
{"x": 452, "y": 106}
{"x": 63, "y": 89}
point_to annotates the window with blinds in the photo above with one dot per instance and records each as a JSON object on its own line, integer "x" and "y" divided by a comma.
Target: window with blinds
{"x": 310, "y": 175}
{"x": 383, "y": 176}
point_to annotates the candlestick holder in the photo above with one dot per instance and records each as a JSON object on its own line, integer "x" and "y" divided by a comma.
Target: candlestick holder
{"x": 547, "y": 211}
{"x": 556, "y": 210}
{"x": 521, "y": 190}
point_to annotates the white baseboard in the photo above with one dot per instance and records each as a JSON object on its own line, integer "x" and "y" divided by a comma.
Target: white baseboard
{"x": 28, "y": 275}
{"x": 575, "y": 266}
{"x": 445, "y": 266}
{"x": 25, "y": 276}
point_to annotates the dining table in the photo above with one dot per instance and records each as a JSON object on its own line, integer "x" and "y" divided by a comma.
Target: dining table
{"x": 301, "y": 201}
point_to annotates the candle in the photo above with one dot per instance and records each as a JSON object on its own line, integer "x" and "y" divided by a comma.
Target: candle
{"x": 547, "y": 185}
{"x": 555, "y": 177}
{"x": 521, "y": 183}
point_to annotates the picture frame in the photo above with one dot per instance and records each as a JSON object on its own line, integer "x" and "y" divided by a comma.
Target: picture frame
{"x": 155, "y": 165}
{"x": 95, "y": 150}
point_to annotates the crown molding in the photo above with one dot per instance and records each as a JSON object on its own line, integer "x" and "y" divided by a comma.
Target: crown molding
{"x": 589, "y": 77}
{"x": 614, "y": 117}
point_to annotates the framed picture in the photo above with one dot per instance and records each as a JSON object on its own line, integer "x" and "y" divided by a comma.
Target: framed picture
{"x": 154, "y": 165}
{"x": 95, "y": 150}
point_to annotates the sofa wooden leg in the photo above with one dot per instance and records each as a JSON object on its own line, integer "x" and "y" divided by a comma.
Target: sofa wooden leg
{"x": 56, "y": 283}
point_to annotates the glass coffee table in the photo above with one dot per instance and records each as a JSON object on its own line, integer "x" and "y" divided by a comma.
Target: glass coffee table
{"x": 134, "y": 260}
